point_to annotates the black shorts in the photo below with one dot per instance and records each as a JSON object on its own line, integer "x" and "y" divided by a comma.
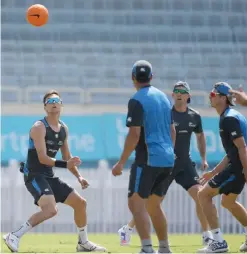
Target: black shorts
{"x": 146, "y": 180}
{"x": 184, "y": 174}
{"x": 40, "y": 185}
{"x": 230, "y": 180}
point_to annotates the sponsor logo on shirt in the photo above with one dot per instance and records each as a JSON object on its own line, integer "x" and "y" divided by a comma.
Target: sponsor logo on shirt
{"x": 183, "y": 131}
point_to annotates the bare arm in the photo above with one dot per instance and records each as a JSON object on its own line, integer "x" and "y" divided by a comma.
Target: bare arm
{"x": 37, "y": 134}
{"x": 173, "y": 134}
{"x": 67, "y": 155}
{"x": 131, "y": 141}
{"x": 242, "y": 151}
{"x": 201, "y": 144}
{"x": 221, "y": 166}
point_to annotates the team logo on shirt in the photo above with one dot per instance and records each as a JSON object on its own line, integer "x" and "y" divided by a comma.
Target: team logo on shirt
{"x": 191, "y": 124}
{"x": 176, "y": 124}
{"x": 129, "y": 119}
{"x": 234, "y": 133}
{"x": 49, "y": 142}
{"x": 60, "y": 143}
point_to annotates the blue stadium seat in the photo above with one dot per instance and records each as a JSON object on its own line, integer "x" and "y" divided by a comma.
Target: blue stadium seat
{"x": 95, "y": 43}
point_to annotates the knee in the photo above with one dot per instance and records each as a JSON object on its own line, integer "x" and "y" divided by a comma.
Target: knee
{"x": 154, "y": 209}
{"x": 81, "y": 203}
{"x": 136, "y": 204}
{"x": 50, "y": 211}
{"x": 202, "y": 195}
{"x": 227, "y": 203}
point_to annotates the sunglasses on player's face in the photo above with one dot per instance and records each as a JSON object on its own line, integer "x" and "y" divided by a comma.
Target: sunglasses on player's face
{"x": 213, "y": 94}
{"x": 181, "y": 91}
{"x": 53, "y": 101}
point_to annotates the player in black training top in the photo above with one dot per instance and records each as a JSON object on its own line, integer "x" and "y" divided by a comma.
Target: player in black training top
{"x": 186, "y": 121}
{"x": 227, "y": 178}
{"x": 47, "y": 136}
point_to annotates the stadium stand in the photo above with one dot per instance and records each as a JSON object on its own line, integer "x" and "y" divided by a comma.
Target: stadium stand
{"x": 93, "y": 44}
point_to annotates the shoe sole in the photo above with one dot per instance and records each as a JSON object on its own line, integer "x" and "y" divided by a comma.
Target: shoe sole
{"x": 221, "y": 251}
{"x": 245, "y": 250}
{"x": 86, "y": 250}
{"x": 4, "y": 239}
{"x": 217, "y": 251}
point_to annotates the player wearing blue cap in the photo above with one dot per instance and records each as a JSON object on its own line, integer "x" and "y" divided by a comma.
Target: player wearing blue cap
{"x": 152, "y": 135}
{"x": 227, "y": 178}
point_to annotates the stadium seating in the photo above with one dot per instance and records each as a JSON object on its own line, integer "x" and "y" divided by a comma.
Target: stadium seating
{"x": 93, "y": 44}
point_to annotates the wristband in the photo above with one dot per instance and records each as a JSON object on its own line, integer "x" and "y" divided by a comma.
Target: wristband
{"x": 60, "y": 164}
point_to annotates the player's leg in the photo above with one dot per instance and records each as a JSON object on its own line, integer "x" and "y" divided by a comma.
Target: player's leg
{"x": 230, "y": 202}
{"x": 125, "y": 232}
{"x": 140, "y": 185}
{"x": 66, "y": 194}
{"x": 159, "y": 190}
{"x": 159, "y": 222}
{"x": 188, "y": 179}
{"x": 44, "y": 198}
{"x": 214, "y": 187}
{"x": 206, "y": 234}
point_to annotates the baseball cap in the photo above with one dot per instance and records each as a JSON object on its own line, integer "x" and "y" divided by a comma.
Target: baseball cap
{"x": 224, "y": 88}
{"x": 185, "y": 85}
{"x": 142, "y": 71}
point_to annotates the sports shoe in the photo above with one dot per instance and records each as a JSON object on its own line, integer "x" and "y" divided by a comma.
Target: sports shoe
{"x": 165, "y": 250}
{"x": 12, "y": 242}
{"x": 125, "y": 235}
{"x": 215, "y": 247}
{"x": 243, "y": 247}
{"x": 142, "y": 251}
{"x": 206, "y": 240}
{"x": 89, "y": 246}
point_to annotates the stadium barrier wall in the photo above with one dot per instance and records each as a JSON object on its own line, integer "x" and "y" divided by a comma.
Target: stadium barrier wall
{"x": 94, "y": 137}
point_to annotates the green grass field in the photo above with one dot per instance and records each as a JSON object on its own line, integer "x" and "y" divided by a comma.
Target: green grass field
{"x": 66, "y": 243}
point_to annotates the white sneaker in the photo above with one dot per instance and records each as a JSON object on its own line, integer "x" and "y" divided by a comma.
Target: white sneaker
{"x": 243, "y": 247}
{"x": 89, "y": 246}
{"x": 215, "y": 247}
{"x": 206, "y": 240}
{"x": 125, "y": 235}
{"x": 12, "y": 242}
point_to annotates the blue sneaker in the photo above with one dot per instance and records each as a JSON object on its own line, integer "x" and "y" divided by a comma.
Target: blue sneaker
{"x": 215, "y": 247}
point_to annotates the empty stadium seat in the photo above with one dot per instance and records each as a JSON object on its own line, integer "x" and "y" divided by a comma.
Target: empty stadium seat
{"x": 95, "y": 43}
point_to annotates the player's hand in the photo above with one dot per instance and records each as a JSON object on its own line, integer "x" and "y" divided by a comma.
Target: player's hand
{"x": 206, "y": 177}
{"x": 117, "y": 169}
{"x": 84, "y": 183}
{"x": 73, "y": 162}
{"x": 240, "y": 96}
{"x": 204, "y": 165}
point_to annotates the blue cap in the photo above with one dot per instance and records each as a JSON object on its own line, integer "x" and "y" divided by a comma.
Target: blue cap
{"x": 223, "y": 88}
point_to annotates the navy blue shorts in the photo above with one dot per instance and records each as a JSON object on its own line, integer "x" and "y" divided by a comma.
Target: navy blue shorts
{"x": 146, "y": 180}
{"x": 184, "y": 174}
{"x": 230, "y": 180}
{"x": 40, "y": 185}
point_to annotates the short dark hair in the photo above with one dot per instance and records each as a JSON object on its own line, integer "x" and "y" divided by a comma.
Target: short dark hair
{"x": 49, "y": 93}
